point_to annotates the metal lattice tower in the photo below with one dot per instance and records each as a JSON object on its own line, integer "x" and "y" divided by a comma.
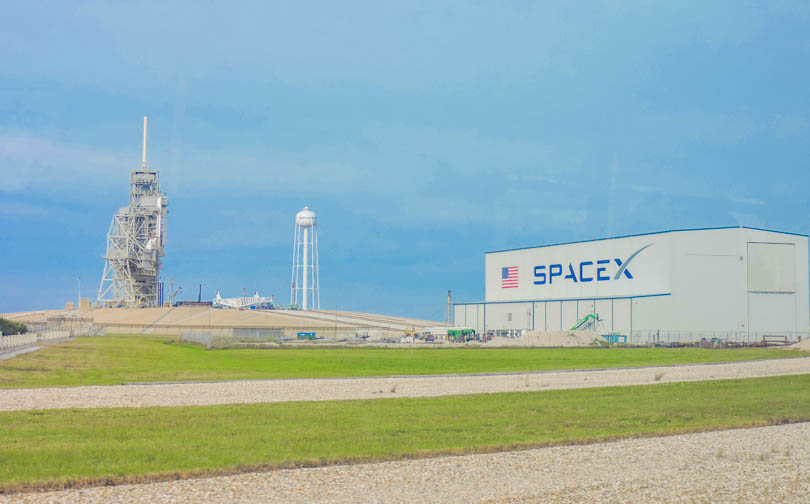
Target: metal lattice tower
{"x": 135, "y": 243}
{"x": 305, "y": 262}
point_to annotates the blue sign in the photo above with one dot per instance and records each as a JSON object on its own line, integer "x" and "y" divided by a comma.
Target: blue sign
{"x": 585, "y": 271}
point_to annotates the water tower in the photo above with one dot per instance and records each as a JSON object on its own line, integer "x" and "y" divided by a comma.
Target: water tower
{"x": 305, "y": 285}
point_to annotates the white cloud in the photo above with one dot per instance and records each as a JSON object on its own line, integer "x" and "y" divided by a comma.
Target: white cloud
{"x": 746, "y": 219}
{"x": 744, "y": 200}
{"x": 672, "y": 190}
{"x": 675, "y": 190}
{"x": 31, "y": 162}
{"x": 16, "y": 211}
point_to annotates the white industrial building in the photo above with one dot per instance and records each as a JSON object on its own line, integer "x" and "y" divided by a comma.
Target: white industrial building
{"x": 734, "y": 282}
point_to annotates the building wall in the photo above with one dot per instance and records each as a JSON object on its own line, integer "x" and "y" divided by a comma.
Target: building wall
{"x": 707, "y": 285}
{"x": 584, "y": 270}
{"x": 732, "y": 279}
{"x": 554, "y": 310}
{"x": 615, "y": 315}
{"x": 777, "y": 281}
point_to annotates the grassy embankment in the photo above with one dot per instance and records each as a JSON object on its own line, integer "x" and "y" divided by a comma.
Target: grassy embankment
{"x": 58, "y": 448}
{"x": 120, "y": 359}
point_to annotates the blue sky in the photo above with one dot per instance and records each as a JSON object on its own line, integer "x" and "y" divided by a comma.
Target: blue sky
{"x": 423, "y": 134}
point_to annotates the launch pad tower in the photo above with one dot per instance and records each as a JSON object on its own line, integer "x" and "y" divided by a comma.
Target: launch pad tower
{"x": 135, "y": 243}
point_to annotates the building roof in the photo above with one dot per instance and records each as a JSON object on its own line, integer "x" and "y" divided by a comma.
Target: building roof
{"x": 645, "y": 234}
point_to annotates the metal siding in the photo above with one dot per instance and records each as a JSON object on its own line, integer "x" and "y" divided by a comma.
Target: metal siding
{"x": 539, "y": 316}
{"x": 603, "y": 311}
{"x": 708, "y": 281}
{"x": 702, "y": 270}
{"x": 802, "y": 285}
{"x": 689, "y": 230}
{"x": 649, "y": 314}
{"x": 801, "y": 321}
{"x": 584, "y": 307}
{"x": 771, "y": 267}
{"x": 460, "y": 316}
{"x": 569, "y": 314}
{"x": 621, "y": 316}
{"x": 772, "y": 313}
{"x": 553, "y": 316}
{"x": 498, "y": 316}
{"x": 473, "y": 317}
{"x": 649, "y": 270}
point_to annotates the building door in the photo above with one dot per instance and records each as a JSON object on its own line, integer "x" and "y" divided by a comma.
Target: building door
{"x": 771, "y": 287}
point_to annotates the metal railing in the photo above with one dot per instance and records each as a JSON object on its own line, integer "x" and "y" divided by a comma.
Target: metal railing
{"x": 14, "y": 342}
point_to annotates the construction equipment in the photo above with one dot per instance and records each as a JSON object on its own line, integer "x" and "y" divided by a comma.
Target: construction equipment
{"x": 460, "y": 334}
{"x": 615, "y": 338}
{"x": 173, "y": 292}
{"x": 589, "y": 321}
{"x": 774, "y": 340}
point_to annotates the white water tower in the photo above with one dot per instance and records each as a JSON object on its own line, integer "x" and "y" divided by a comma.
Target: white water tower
{"x": 305, "y": 286}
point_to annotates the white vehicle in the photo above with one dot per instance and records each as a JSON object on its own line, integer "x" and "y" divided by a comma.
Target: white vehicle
{"x": 434, "y": 333}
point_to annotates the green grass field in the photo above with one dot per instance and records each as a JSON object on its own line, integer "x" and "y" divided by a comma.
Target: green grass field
{"x": 46, "y": 449}
{"x": 119, "y": 359}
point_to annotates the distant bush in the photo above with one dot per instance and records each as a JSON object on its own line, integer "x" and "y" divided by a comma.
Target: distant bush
{"x": 11, "y": 327}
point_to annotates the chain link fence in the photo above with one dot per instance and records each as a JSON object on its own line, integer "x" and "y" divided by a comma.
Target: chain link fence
{"x": 205, "y": 340}
{"x": 716, "y": 338}
{"x": 242, "y": 336}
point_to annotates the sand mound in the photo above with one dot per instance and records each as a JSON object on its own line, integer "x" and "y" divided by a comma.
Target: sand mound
{"x": 802, "y": 345}
{"x": 550, "y": 339}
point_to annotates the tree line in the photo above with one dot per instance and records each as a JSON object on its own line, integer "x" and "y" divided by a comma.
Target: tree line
{"x": 11, "y": 327}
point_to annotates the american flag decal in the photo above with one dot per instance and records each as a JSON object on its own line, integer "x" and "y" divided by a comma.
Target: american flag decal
{"x": 509, "y": 277}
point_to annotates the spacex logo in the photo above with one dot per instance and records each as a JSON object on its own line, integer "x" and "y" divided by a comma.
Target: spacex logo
{"x": 600, "y": 270}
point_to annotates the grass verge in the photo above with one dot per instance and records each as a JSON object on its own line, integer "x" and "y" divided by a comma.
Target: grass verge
{"x": 68, "y": 448}
{"x": 118, "y": 359}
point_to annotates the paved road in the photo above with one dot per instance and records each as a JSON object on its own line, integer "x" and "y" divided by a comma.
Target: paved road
{"x": 767, "y": 464}
{"x": 266, "y": 391}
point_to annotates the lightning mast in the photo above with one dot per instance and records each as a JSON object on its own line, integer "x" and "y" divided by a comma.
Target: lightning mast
{"x": 135, "y": 243}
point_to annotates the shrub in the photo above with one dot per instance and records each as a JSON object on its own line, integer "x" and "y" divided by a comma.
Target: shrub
{"x": 11, "y": 327}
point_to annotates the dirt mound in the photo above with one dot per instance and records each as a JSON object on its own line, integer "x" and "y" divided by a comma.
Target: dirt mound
{"x": 550, "y": 339}
{"x": 802, "y": 345}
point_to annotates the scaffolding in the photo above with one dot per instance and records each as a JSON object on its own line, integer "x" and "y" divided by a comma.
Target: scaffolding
{"x": 135, "y": 243}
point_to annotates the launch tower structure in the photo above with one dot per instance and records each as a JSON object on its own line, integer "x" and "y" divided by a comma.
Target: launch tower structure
{"x": 135, "y": 243}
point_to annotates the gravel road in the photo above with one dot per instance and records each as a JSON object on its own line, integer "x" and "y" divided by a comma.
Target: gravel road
{"x": 266, "y": 391}
{"x": 768, "y": 464}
